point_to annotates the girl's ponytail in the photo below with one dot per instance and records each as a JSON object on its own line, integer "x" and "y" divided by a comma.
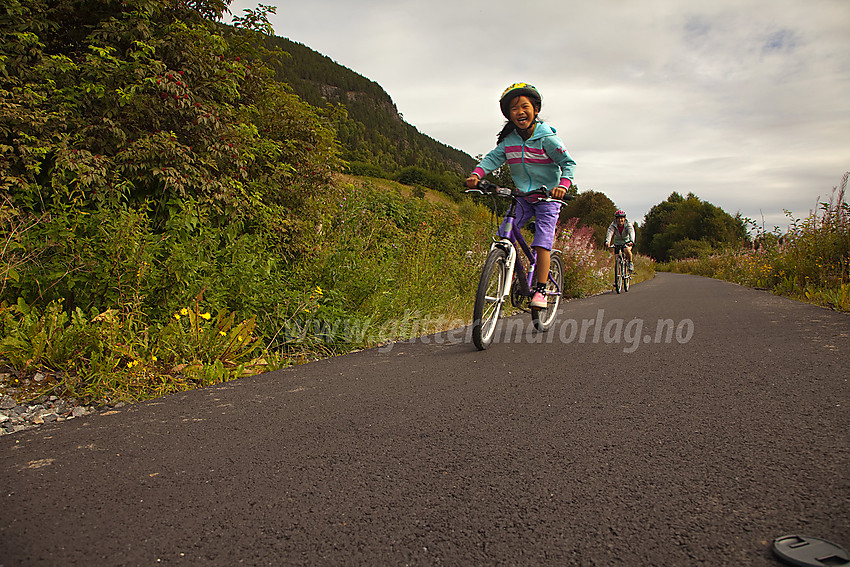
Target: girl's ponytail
{"x": 507, "y": 129}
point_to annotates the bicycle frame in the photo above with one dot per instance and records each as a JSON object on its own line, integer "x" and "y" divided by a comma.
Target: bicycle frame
{"x": 510, "y": 240}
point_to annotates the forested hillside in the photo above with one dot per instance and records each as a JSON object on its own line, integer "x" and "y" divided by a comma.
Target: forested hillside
{"x": 375, "y": 138}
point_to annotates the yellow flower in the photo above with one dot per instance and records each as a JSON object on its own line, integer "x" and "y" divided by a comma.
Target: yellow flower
{"x": 318, "y": 290}
{"x": 184, "y": 311}
{"x": 222, "y": 333}
{"x": 153, "y": 358}
{"x": 177, "y": 316}
{"x": 205, "y": 316}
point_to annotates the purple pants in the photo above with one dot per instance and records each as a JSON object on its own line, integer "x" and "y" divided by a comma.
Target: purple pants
{"x": 546, "y": 220}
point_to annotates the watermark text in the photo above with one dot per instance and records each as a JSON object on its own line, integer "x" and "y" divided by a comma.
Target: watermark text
{"x": 413, "y": 327}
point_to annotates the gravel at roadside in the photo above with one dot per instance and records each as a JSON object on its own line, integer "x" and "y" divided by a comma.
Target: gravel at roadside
{"x": 18, "y": 416}
{"x": 15, "y": 417}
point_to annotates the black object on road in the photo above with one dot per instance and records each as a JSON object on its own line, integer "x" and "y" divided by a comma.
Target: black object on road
{"x": 810, "y": 551}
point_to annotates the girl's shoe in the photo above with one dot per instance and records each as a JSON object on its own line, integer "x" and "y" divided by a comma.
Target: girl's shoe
{"x": 539, "y": 301}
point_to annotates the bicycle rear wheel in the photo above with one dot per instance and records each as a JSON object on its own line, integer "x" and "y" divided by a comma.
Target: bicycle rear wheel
{"x": 543, "y": 318}
{"x": 488, "y": 299}
{"x": 618, "y": 274}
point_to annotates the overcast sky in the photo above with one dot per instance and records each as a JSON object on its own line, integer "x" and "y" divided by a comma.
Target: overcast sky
{"x": 745, "y": 103}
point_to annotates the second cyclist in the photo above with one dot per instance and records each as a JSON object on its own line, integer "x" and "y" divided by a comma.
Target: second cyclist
{"x": 622, "y": 233}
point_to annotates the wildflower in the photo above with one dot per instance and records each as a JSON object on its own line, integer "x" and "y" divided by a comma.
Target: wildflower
{"x": 318, "y": 290}
{"x": 153, "y": 358}
{"x": 205, "y": 316}
{"x": 177, "y": 316}
{"x": 222, "y": 333}
{"x": 184, "y": 311}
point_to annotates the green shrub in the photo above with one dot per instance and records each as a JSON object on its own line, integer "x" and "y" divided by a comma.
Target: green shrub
{"x": 689, "y": 248}
{"x": 364, "y": 169}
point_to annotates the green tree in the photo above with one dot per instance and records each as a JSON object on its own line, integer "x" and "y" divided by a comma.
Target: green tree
{"x": 687, "y": 226}
{"x": 593, "y": 209}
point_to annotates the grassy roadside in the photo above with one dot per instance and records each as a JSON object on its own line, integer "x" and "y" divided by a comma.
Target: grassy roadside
{"x": 811, "y": 262}
{"x": 387, "y": 262}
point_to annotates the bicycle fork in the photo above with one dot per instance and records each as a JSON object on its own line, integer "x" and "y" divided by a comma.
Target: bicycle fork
{"x": 510, "y": 264}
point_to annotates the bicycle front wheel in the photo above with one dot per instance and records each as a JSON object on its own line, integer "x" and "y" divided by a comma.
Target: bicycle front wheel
{"x": 626, "y": 277}
{"x": 543, "y": 318}
{"x": 489, "y": 298}
{"x": 618, "y": 274}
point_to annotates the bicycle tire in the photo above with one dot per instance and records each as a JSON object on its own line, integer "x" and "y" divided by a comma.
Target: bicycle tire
{"x": 627, "y": 276}
{"x": 543, "y": 318}
{"x": 618, "y": 277}
{"x": 488, "y": 298}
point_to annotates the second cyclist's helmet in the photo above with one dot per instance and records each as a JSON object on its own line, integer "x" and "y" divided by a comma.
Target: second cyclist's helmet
{"x": 518, "y": 89}
{"x": 620, "y": 213}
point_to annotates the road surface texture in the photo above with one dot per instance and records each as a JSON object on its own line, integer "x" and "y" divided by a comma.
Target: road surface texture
{"x": 599, "y": 443}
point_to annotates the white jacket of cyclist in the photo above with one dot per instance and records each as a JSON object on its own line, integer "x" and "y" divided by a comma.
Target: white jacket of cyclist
{"x": 620, "y": 238}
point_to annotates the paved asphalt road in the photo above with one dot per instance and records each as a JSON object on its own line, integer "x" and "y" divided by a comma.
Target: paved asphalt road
{"x": 603, "y": 444}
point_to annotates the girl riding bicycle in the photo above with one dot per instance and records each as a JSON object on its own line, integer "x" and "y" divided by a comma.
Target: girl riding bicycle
{"x": 537, "y": 157}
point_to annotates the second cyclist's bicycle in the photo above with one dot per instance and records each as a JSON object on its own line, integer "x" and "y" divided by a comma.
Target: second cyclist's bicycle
{"x": 505, "y": 277}
{"x": 622, "y": 274}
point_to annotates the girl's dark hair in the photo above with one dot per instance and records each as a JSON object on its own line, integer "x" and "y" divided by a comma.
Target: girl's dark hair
{"x": 506, "y": 129}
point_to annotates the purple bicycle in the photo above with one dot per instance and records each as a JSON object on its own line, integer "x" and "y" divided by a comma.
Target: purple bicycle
{"x": 505, "y": 275}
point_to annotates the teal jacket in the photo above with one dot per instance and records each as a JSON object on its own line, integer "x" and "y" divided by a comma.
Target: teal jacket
{"x": 540, "y": 160}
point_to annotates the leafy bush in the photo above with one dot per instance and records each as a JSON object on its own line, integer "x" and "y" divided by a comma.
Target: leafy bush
{"x": 148, "y": 156}
{"x": 449, "y": 184}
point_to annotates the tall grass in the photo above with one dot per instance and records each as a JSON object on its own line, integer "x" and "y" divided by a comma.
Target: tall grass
{"x": 381, "y": 257}
{"x": 811, "y": 262}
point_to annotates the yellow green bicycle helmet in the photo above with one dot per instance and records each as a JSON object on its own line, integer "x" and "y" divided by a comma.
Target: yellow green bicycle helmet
{"x": 518, "y": 89}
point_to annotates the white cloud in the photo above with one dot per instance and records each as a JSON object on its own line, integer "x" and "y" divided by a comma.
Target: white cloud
{"x": 746, "y": 103}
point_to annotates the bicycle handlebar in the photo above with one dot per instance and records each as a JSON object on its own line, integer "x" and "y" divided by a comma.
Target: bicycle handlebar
{"x": 485, "y": 187}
